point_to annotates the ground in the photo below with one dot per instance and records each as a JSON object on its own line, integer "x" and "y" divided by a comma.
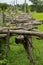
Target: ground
{"x": 17, "y": 54}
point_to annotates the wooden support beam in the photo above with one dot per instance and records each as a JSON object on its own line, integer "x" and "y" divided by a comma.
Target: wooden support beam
{"x": 41, "y": 21}
{"x": 7, "y": 43}
{"x": 18, "y": 28}
{"x": 27, "y": 43}
{"x": 27, "y": 46}
{"x": 23, "y": 32}
{"x": 3, "y": 35}
{"x": 26, "y": 21}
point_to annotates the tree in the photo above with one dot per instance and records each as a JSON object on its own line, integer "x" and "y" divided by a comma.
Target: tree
{"x": 26, "y": 8}
{"x": 3, "y": 7}
{"x": 37, "y": 2}
{"x": 37, "y": 5}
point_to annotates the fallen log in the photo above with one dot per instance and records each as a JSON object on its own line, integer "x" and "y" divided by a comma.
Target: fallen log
{"x": 3, "y": 35}
{"x": 23, "y": 32}
{"x": 18, "y": 28}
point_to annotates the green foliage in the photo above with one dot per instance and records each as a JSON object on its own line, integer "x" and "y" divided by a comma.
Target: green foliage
{"x": 3, "y": 6}
{"x": 37, "y": 2}
{"x": 37, "y": 8}
{"x": 37, "y": 5}
{"x": 27, "y": 7}
{"x": 21, "y": 7}
{"x": 3, "y": 59}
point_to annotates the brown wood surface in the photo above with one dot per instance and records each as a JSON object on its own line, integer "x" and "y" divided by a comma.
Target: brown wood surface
{"x": 23, "y": 32}
{"x": 27, "y": 46}
{"x": 3, "y": 35}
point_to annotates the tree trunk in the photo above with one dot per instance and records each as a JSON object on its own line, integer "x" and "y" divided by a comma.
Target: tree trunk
{"x": 25, "y": 7}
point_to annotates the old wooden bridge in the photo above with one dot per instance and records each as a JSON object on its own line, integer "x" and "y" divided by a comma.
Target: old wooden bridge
{"x": 24, "y": 28}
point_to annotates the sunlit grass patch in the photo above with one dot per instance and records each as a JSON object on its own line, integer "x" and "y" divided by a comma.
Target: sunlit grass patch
{"x": 38, "y": 16}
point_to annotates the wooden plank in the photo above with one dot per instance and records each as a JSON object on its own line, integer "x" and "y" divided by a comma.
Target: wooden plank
{"x": 3, "y": 35}
{"x": 23, "y": 32}
{"x": 10, "y": 28}
{"x": 26, "y": 21}
{"x": 17, "y": 28}
{"x": 26, "y": 32}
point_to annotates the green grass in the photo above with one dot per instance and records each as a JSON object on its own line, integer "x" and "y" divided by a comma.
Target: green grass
{"x": 40, "y": 27}
{"x": 17, "y": 54}
{"x": 38, "y": 16}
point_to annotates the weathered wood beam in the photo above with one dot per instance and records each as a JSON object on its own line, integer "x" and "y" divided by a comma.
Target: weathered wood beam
{"x": 17, "y": 28}
{"x": 27, "y": 46}
{"x": 27, "y": 43}
{"x": 10, "y": 28}
{"x": 7, "y": 43}
{"x": 3, "y": 35}
{"x": 23, "y": 32}
{"x": 26, "y": 21}
{"x": 41, "y": 21}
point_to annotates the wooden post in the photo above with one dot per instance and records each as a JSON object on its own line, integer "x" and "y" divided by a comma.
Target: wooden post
{"x": 26, "y": 40}
{"x": 25, "y": 6}
{"x": 0, "y": 50}
{"x": 3, "y": 16}
{"x": 16, "y": 6}
{"x": 30, "y": 41}
{"x": 7, "y": 43}
{"x": 27, "y": 46}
